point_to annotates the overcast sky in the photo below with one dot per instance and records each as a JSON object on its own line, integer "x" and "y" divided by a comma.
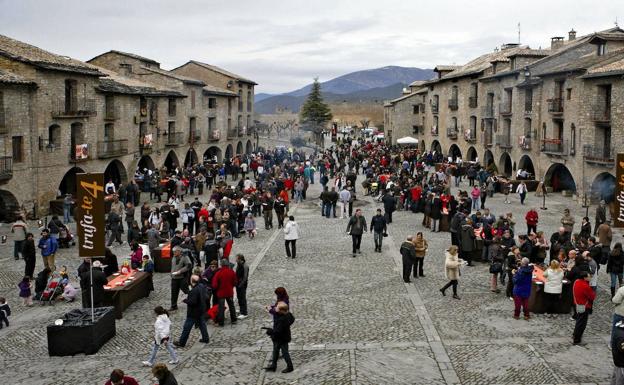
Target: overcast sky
{"x": 282, "y": 45}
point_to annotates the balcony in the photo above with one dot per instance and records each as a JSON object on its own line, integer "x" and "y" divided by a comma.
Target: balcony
{"x": 504, "y": 108}
{"x": 214, "y": 135}
{"x": 111, "y": 113}
{"x": 470, "y": 136}
{"x": 112, "y": 148}
{"x": 453, "y": 104}
{"x": 487, "y": 112}
{"x": 242, "y": 131}
{"x": 555, "y": 146}
{"x": 555, "y": 106}
{"x": 451, "y": 132}
{"x": 472, "y": 102}
{"x": 174, "y": 139}
{"x": 524, "y": 142}
{"x": 6, "y": 168}
{"x": 232, "y": 133}
{"x": 194, "y": 136}
{"x": 434, "y": 108}
{"x": 79, "y": 153}
{"x": 434, "y": 131}
{"x": 503, "y": 141}
{"x": 601, "y": 115}
{"x": 84, "y": 108}
{"x": 599, "y": 155}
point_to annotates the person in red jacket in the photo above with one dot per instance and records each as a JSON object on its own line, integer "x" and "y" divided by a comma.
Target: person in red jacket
{"x": 583, "y": 299}
{"x": 118, "y": 377}
{"x": 223, "y": 284}
{"x": 531, "y": 220}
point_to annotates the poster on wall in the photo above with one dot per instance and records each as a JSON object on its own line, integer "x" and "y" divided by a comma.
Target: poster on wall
{"x": 619, "y": 191}
{"x": 81, "y": 151}
{"x": 90, "y": 222}
{"x": 147, "y": 140}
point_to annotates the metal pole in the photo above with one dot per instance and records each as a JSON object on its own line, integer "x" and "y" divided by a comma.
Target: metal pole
{"x": 91, "y": 288}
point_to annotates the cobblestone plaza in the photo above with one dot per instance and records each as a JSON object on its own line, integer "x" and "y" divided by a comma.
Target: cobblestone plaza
{"x": 356, "y": 321}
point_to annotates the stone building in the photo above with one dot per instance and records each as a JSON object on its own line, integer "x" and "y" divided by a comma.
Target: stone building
{"x": 555, "y": 112}
{"x": 117, "y": 113}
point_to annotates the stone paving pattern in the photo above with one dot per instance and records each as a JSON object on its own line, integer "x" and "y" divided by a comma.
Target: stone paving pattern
{"x": 356, "y": 321}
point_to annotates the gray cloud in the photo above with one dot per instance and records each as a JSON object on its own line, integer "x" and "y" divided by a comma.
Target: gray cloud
{"x": 282, "y": 45}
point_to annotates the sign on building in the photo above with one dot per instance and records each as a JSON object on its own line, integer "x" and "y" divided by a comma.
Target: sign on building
{"x": 90, "y": 221}
{"x": 619, "y": 191}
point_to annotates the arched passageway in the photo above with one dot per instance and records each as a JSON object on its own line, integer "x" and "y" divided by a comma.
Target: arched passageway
{"x": 229, "y": 151}
{"x": 454, "y": 152}
{"x": 471, "y": 155}
{"x": 9, "y": 206}
{"x": 488, "y": 158}
{"x": 559, "y": 178}
{"x": 171, "y": 162}
{"x": 191, "y": 158}
{"x": 504, "y": 165}
{"x": 435, "y": 146}
{"x": 249, "y": 148}
{"x": 239, "y": 148}
{"x": 421, "y": 145}
{"x": 68, "y": 183}
{"x": 116, "y": 172}
{"x": 212, "y": 155}
{"x": 603, "y": 187}
{"x": 146, "y": 162}
{"x": 526, "y": 164}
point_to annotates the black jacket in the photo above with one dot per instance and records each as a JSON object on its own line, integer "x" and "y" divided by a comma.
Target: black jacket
{"x": 389, "y": 202}
{"x": 408, "y": 250}
{"x": 99, "y": 280}
{"x": 196, "y": 301}
{"x": 378, "y": 223}
{"x": 169, "y": 379}
{"x": 29, "y": 251}
{"x": 281, "y": 328}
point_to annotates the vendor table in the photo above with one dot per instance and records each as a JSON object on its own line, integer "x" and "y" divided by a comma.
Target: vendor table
{"x": 133, "y": 287}
{"x": 537, "y": 301}
{"x": 162, "y": 258}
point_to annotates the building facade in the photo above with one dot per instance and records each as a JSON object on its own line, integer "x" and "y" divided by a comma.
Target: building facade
{"x": 114, "y": 114}
{"x": 556, "y": 113}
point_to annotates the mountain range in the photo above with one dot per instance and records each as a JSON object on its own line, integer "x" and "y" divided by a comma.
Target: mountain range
{"x": 368, "y": 85}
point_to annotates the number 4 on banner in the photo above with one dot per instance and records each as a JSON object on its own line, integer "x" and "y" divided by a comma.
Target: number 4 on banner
{"x": 92, "y": 188}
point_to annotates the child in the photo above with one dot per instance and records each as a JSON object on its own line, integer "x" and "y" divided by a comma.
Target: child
{"x": 162, "y": 328}
{"x": 250, "y": 226}
{"x": 25, "y": 291}
{"x": 147, "y": 265}
{"x": 5, "y": 312}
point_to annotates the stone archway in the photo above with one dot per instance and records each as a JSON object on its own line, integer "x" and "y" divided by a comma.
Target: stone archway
{"x": 9, "y": 206}
{"x": 229, "y": 151}
{"x": 472, "y": 155}
{"x": 454, "y": 152}
{"x": 603, "y": 187}
{"x": 435, "y": 146}
{"x": 505, "y": 166}
{"x": 212, "y": 154}
{"x": 421, "y": 145}
{"x": 146, "y": 162}
{"x": 526, "y": 164}
{"x": 488, "y": 158}
{"x": 171, "y": 162}
{"x": 116, "y": 172}
{"x": 559, "y": 178}
{"x": 191, "y": 158}
{"x": 68, "y": 183}
{"x": 239, "y": 148}
{"x": 249, "y": 147}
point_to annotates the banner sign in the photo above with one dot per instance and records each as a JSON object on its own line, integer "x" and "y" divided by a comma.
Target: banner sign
{"x": 81, "y": 151}
{"x": 90, "y": 221}
{"x": 619, "y": 191}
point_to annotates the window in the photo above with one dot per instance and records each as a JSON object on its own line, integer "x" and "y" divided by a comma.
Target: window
{"x": 239, "y": 122}
{"x": 473, "y": 98}
{"x": 77, "y": 138}
{"x": 212, "y": 102}
{"x": 18, "y": 149}
{"x": 248, "y": 101}
{"x": 229, "y": 106}
{"x": 229, "y": 124}
{"x": 415, "y": 129}
{"x": 143, "y": 106}
{"x": 240, "y": 100}
{"x": 528, "y": 100}
{"x": 192, "y": 99}
{"x": 473, "y": 125}
{"x": 71, "y": 96}
{"x": 543, "y": 130}
{"x": 248, "y": 121}
{"x": 415, "y": 109}
{"x": 568, "y": 93}
{"x": 212, "y": 124}
{"x": 171, "y": 129}
{"x": 573, "y": 140}
{"x": 192, "y": 125}
{"x": 109, "y": 132}
{"x": 527, "y": 127}
{"x": 602, "y": 49}
{"x": 54, "y": 135}
{"x": 454, "y": 123}
{"x": 172, "y": 107}
{"x": 153, "y": 118}
{"x": 109, "y": 107}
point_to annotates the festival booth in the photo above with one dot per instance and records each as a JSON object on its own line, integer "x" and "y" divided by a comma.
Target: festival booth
{"x": 406, "y": 140}
{"x": 125, "y": 289}
{"x": 76, "y": 332}
{"x": 162, "y": 258}
{"x": 537, "y": 301}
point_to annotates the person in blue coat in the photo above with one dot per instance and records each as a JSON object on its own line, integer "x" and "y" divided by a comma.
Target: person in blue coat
{"x": 522, "y": 278}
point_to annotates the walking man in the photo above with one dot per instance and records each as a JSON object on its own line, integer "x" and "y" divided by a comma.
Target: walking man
{"x": 48, "y": 246}
{"x": 583, "y": 299}
{"x": 195, "y": 310}
{"x": 223, "y": 283}
{"x": 20, "y": 229}
{"x": 291, "y": 234}
{"x": 356, "y": 227}
{"x": 180, "y": 268}
{"x": 343, "y": 200}
{"x": 408, "y": 254}
{"x": 378, "y": 227}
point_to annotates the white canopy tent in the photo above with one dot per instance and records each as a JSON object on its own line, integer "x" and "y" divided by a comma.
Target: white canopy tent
{"x": 407, "y": 140}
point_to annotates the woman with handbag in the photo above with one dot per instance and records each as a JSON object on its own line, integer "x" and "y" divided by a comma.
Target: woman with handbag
{"x": 496, "y": 258}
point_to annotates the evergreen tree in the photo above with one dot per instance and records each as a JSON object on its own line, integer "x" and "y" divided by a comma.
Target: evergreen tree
{"x": 315, "y": 113}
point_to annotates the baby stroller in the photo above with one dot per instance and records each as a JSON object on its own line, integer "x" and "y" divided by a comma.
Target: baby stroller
{"x": 65, "y": 239}
{"x": 53, "y": 289}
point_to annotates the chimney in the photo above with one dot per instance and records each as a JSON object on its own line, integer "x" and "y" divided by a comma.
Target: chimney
{"x": 556, "y": 42}
{"x": 572, "y": 35}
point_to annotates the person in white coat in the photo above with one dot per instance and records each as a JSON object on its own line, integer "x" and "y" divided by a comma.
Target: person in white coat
{"x": 343, "y": 200}
{"x": 291, "y": 234}
{"x": 553, "y": 286}
{"x": 162, "y": 332}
